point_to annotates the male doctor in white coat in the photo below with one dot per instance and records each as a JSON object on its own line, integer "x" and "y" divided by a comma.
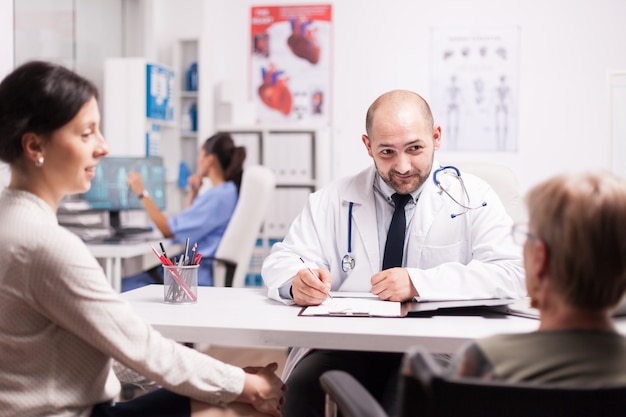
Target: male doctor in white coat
{"x": 455, "y": 246}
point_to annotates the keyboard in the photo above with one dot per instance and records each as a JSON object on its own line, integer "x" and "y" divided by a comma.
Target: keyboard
{"x": 132, "y": 231}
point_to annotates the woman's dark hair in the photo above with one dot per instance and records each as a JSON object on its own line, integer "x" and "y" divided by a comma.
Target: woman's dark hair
{"x": 38, "y": 97}
{"x": 230, "y": 157}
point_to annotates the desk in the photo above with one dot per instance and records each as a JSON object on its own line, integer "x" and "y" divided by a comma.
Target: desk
{"x": 246, "y": 317}
{"x": 114, "y": 253}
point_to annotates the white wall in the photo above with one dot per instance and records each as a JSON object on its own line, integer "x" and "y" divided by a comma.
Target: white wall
{"x": 6, "y": 37}
{"x": 6, "y": 61}
{"x": 567, "y": 48}
{"x": 98, "y": 35}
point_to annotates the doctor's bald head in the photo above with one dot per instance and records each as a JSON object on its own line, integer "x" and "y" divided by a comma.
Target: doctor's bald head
{"x": 395, "y": 103}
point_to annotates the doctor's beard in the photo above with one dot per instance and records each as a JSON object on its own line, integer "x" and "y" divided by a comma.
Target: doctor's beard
{"x": 404, "y": 183}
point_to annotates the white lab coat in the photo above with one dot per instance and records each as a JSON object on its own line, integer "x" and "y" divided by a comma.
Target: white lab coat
{"x": 470, "y": 256}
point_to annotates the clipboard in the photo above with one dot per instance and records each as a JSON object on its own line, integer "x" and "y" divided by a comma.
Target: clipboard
{"x": 362, "y": 306}
{"x": 522, "y": 308}
{"x": 416, "y": 307}
{"x": 356, "y": 307}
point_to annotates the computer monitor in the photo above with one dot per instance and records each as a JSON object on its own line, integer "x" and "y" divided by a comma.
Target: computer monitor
{"x": 109, "y": 191}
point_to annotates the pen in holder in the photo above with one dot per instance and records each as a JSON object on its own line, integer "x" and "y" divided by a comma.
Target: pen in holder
{"x": 180, "y": 284}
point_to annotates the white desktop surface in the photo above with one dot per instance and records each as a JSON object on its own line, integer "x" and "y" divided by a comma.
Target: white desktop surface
{"x": 246, "y": 317}
{"x": 114, "y": 253}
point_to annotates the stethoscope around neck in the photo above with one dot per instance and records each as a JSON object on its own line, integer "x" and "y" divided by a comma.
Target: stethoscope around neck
{"x": 348, "y": 261}
{"x": 452, "y": 170}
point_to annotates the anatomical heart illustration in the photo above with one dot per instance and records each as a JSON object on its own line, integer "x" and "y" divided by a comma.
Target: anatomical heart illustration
{"x": 290, "y": 63}
{"x": 302, "y": 40}
{"x": 274, "y": 91}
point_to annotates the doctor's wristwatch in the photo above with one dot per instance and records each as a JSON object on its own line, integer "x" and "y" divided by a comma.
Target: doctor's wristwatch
{"x": 143, "y": 194}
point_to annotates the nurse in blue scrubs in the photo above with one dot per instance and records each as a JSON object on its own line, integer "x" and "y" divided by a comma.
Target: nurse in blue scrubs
{"x": 206, "y": 215}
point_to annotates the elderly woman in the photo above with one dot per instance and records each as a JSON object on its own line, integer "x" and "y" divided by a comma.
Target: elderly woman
{"x": 575, "y": 260}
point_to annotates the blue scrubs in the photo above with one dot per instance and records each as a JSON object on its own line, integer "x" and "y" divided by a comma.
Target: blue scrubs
{"x": 203, "y": 222}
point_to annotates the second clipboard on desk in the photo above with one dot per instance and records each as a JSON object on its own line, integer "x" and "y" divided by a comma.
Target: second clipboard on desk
{"x": 522, "y": 308}
{"x": 369, "y": 306}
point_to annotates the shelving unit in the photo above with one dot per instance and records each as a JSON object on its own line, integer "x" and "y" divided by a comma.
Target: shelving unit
{"x": 186, "y": 96}
{"x": 299, "y": 156}
{"x": 138, "y": 111}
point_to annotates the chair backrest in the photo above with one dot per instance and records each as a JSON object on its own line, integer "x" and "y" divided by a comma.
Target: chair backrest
{"x": 424, "y": 391}
{"x": 234, "y": 252}
{"x": 504, "y": 182}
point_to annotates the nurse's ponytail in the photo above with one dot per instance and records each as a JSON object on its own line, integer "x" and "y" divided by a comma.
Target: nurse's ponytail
{"x": 230, "y": 157}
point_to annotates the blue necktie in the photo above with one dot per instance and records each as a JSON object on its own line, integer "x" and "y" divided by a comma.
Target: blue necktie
{"x": 394, "y": 247}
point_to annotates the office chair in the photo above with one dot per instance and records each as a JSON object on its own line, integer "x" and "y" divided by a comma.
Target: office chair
{"x": 232, "y": 258}
{"x": 424, "y": 392}
{"x": 504, "y": 182}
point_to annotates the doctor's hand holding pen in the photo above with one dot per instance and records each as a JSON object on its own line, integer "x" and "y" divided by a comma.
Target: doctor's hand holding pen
{"x": 311, "y": 286}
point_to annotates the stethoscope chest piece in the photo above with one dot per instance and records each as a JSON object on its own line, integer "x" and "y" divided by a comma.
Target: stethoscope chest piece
{"x": 347, "y": 262}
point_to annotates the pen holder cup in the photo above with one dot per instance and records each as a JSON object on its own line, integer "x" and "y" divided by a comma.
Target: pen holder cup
{"x": 180, "y": 284}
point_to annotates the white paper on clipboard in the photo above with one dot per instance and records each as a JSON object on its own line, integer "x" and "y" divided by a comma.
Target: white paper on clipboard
{"x": 359, "y": 307}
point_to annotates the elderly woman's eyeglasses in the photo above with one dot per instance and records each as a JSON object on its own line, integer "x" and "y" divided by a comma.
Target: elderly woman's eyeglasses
{"x": 520, "y": 233}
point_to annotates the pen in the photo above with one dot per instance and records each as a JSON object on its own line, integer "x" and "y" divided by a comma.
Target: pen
{"x": 162, "y": 258}
{"x": 186, "y": 250}
{"x": 314, "y": 274}
{"x": 192, "y": 258}
{"x": 163, "y": 249}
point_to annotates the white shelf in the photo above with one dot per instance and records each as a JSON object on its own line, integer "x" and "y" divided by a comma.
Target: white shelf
{"x": 188, "y": 134}
{"x": 188, "y": 94}
{"x": 185, "y": 54}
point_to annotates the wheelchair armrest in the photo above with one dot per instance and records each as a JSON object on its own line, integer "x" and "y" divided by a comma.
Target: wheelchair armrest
{"x": 346, "y": 394}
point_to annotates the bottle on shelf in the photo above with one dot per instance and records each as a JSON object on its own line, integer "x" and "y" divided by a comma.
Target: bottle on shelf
{"x": 193, "y": 115}
{"x": 192, "y": 77}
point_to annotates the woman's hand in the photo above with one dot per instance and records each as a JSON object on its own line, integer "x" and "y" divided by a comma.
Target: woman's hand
{"x": 263, "y": 389}
{"x": 135, "y": 182}
{"x": 195, "y": 182}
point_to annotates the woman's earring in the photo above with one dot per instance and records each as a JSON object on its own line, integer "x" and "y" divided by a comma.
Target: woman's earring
{"x": 39, "y": 162}
{"x": 534, "y": 302}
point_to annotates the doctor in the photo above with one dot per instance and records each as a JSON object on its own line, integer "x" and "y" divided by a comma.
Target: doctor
{"x": 457, "y": 242}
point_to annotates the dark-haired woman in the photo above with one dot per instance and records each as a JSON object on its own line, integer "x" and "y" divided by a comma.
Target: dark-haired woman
{"x": 61, "y": 323}
{"x": 207, "y": 214}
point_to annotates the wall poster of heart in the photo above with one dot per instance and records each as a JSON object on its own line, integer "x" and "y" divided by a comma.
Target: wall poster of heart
{"x": 290, "y": 64}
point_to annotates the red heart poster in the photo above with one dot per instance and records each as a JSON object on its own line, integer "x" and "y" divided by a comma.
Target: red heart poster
{"x": 290, "y": 63}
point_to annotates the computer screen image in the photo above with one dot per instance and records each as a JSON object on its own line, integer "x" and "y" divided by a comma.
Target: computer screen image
{"x": 109, "y": 191}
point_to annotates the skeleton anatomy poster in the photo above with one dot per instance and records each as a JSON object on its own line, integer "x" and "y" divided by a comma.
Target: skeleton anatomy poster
{"x": 474, "y": 88}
